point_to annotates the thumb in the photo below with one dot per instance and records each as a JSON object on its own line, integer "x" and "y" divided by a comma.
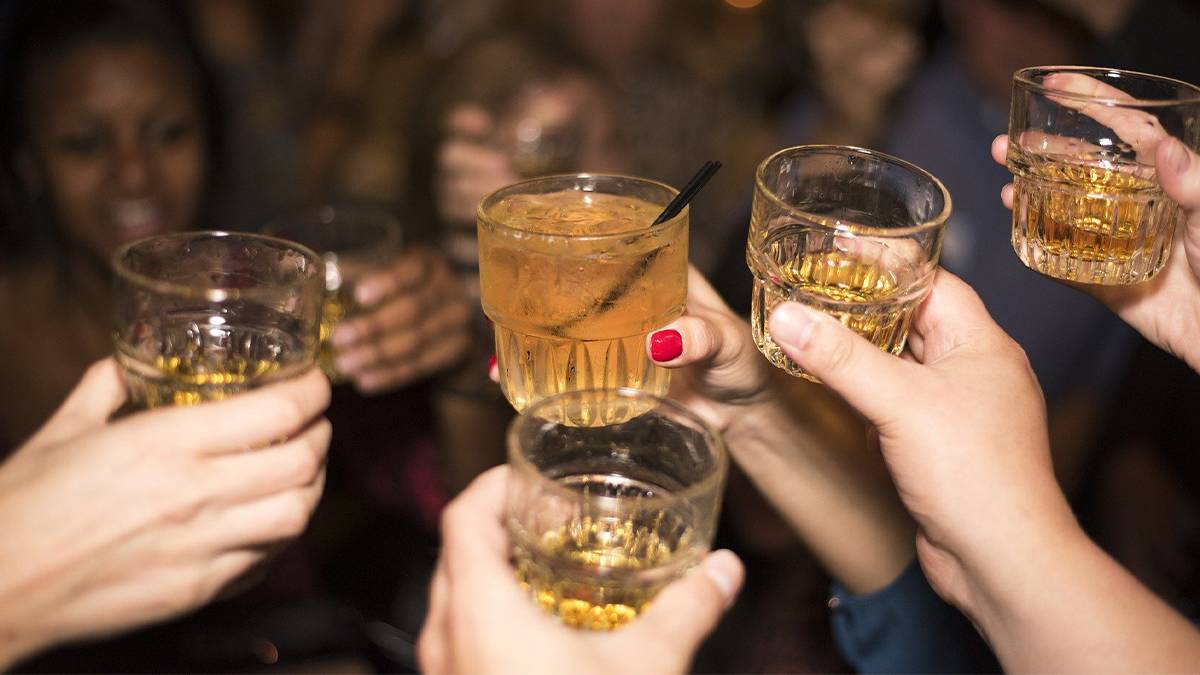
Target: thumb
{"x": 687, "y": 610}
{"x": 98, "y": 395}
{"x": 1179, "y": 173}
{"x": 871, "y": 380}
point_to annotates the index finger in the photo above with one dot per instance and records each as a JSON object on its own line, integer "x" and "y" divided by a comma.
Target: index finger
{"x": 255, "y": 418}
{"x": 398, "y": 275}
{"x": 1138, "y": 128}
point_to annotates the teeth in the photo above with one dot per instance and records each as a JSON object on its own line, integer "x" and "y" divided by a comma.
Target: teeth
{"x": 136, "y": 215}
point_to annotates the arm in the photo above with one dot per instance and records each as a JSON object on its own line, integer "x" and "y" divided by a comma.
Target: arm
{"x": 802, "y": 446}
{"x": 996, "y": 537}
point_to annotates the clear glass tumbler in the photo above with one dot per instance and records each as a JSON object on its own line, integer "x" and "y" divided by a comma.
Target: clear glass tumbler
{"x": 853, "y": 233}
{"x": 614, "y": 493}
{"x": 574, "y": 276}
{"x": 1087, "y": 205}
{"x": 202, "y": 316}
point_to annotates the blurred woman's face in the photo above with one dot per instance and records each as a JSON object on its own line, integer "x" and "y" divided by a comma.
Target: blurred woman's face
{"x": 116, "y": 137}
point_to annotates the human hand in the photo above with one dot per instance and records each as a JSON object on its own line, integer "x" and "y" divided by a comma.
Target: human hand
{"x": 806, "y": 451}
{"x": 480, "y": 621}
{"x": 108, "y": 526}
{"x": 468, "y": 165}
{"x": 961, "y": 423}
{"x": 413, "y": 320}
{"x": 1166, "y": 309}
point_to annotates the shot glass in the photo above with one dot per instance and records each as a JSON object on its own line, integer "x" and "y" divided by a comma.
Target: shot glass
{"x": 614, "y": 494}
{"x": 353, "y": 241}
{"x": 853, "y": 233}
{"x": 573, "y": 276}
{"x": 202, "y": 316}
{"x": 1087, "y": 205}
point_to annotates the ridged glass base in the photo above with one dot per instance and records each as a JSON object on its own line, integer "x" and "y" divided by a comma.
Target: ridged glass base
{"x": 1070, "y": 233}
{"x": 533, "y": 367}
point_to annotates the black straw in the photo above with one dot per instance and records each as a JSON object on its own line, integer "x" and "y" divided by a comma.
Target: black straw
{"x": 688, "y": 192}
{"x": 617, "y": 292}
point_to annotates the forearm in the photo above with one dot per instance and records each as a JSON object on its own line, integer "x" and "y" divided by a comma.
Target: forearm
{"x": 835, "y": 492}
{"x": 1059, "y": 603}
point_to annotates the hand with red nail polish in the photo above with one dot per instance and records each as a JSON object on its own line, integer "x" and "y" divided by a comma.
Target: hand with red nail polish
{"x": 413, "y": 321}
{"x": 1166, "y": 309}
{"x": 803, "y": 448}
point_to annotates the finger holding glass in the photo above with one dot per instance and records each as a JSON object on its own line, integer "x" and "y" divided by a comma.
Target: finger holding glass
{"x": 473, "y": 584}
{"x": 353, "y": 242}
{"x": 1165, "y": 309}
{"x": 1088, "y": 202}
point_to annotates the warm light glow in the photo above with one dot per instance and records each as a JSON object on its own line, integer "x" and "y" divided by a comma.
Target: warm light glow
{"x": 743, "y": 4}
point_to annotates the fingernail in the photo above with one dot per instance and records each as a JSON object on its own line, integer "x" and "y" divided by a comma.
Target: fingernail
{"x": 1177, "y": 155}
{"x": 347, "y": 364}
{"x": 366, "y": 294}
{"x": 666, "y": 345}
{"x": 791, "y": 325}
{"x": 343, "y": 335}
{"x": 725, "y": 570}
{"x": 491, "y": 362}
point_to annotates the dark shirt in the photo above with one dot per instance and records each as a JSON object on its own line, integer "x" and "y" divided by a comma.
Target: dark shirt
{"x": 889, "y": 631}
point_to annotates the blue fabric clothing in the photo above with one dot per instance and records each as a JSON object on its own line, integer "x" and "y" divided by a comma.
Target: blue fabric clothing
{"x": 906, "y": 628}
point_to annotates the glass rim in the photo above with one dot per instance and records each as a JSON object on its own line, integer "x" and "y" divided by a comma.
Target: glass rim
{"x": 519, "y": 462}
{"x": 1024, "y": 78}
{"x": 211, "y": 293}
{"x": 311, "y": 217}
{"x": 932, "y": 223}
{"x": 481, "y": 214}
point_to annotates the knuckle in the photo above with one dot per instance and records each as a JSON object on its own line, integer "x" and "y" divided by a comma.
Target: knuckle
{"x": 838, "y": 351}
{"x": 293, "y": 515}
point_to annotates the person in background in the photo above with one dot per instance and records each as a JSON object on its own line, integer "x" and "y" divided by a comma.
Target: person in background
{"x": 113, "y": 135}
{"x": 112, "y": 525}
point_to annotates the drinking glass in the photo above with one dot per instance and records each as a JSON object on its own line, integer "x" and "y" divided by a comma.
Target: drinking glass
{"x": 851, "y": 232}
{"x": 353, "y": 241}
{"x": 202, "y": 316}
{"x": 573, "y": 277}
{"x": 1087, "y": 204}
{"x": 614, "y": 493}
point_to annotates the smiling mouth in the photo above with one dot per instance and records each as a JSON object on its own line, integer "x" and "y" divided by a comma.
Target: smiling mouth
{"x": 136, "y": 218}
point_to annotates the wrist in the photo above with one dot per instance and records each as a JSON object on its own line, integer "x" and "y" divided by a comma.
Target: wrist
{"x": 1006, "y": 577}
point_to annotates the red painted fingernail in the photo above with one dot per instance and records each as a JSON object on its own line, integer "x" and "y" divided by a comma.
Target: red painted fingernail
{"x": 491, "y": 362}
{"x": 666, "y": 345}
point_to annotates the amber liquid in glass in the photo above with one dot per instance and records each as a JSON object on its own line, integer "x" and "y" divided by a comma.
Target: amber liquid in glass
{"x": 573, "y": 314}
{"x": 185, "y": 360}
{"x": 336, "y": 306}
{"x": 1094, "y": 223}
{"x": 587, "y": 571}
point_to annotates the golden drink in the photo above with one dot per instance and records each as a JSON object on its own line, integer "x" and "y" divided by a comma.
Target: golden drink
{"x": 865, "y": 296}
{"x": 573, "y": 281}
{"x": 184, "y": 360}
{"x": 1100, "y": 224}
{"x": 336, "y": 306}
{"x": 597, "y": 571}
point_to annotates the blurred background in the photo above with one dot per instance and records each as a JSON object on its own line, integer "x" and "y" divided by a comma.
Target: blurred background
{"x": 124, "y": 118}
